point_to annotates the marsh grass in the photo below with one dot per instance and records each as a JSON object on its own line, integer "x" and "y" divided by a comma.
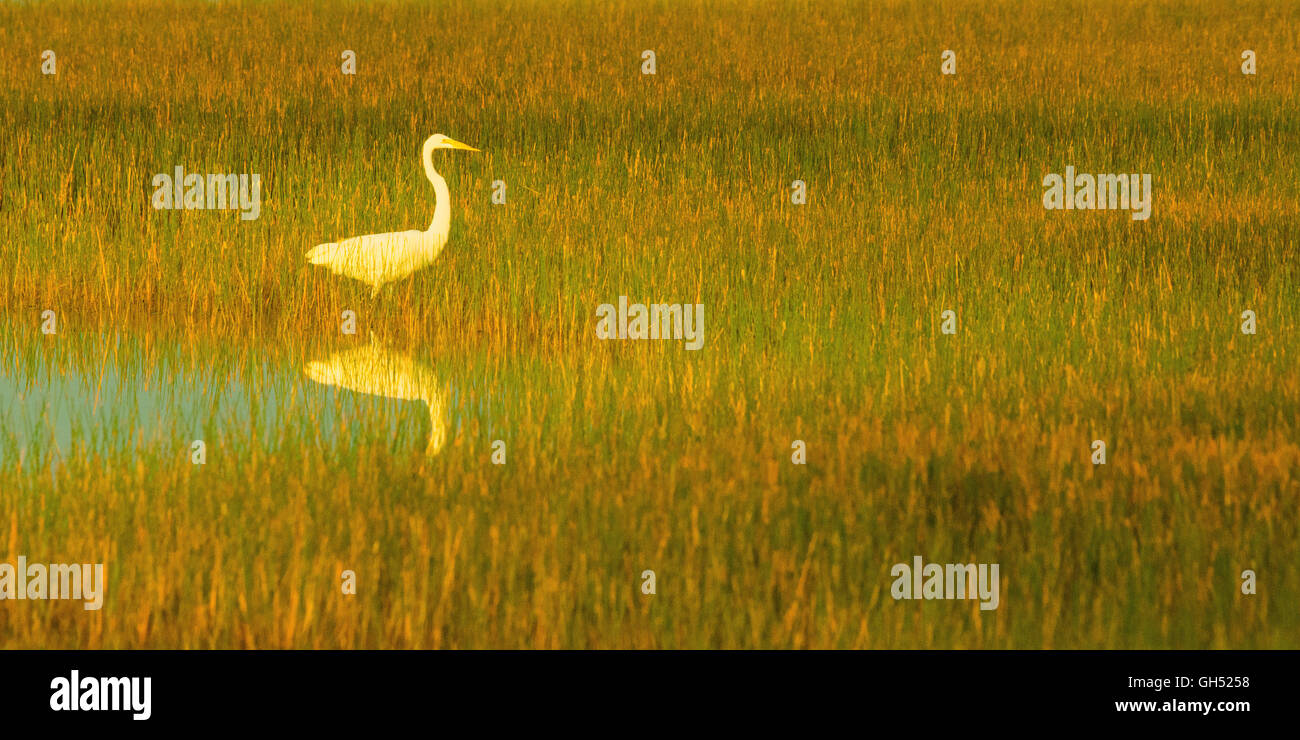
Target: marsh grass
{"x": 822, "y": 321}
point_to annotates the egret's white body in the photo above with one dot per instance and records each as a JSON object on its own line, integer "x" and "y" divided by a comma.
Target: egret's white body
{"x": 378, "y": 371}
{"x": 377, "y": 259}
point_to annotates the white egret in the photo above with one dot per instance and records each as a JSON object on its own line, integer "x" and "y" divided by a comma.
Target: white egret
{"x": 376, "y": 259}
{"x": 375, "y": 370}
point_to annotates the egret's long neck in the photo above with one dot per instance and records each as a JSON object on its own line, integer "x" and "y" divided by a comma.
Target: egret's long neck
{"x": 441, "y": 225}
{"x": 437, "y": 425}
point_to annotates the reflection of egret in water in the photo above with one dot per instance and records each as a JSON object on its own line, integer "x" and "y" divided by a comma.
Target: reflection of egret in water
{"x": 378, "y": 371}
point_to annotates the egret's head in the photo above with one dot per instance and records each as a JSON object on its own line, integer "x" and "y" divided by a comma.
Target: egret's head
{"x": 441, "y": 141}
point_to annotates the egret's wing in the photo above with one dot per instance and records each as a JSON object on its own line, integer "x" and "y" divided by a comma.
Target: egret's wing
{"x": 377, "y": 371}
{"x": 368, "y": 258}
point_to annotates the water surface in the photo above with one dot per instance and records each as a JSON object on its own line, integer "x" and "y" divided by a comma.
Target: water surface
{"x": 115, "y": 395}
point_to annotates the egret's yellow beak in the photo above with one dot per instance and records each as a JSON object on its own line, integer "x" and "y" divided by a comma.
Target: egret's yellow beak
{"x": 457, "y": 145}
